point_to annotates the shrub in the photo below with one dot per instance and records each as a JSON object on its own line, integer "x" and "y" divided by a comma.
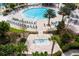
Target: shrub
{"x": 45, "y": 53}
{"x": 33, "y": 53}
{"x": 12, "y": 49}
{"x": 58, "y": 53}
{"x": 77, "y": 38}
{"x": 36, "y": 53}
{"x": 68, "y": 37}
{"x": 65, "y": 47}
{"x": 23, "y": 40}
{"x": 4, "y": 27}
{"x": 4, "y": 39}
{"x": 41, "y": 54}
{"x": 74, "y": 45}
{"x": 69, "y": 46}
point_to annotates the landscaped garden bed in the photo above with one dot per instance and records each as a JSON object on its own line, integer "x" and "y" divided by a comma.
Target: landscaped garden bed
{"x": 65, "y": 45}
{"x": 40, "y": 53}
{"x": 21, "y": 30}
{"x": 58, "y": 53}
{"x": 16, "y": 30}
{"x": 70, "y": 46}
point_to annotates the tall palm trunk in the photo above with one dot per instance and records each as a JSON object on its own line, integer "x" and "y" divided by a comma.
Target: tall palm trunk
{"x": 49, "y": 21}
{"x": 52, "y": 47}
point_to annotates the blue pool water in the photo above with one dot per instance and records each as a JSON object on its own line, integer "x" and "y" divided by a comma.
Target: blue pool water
{"x": 41, "y": 41}
{"x": 35, "y": 13}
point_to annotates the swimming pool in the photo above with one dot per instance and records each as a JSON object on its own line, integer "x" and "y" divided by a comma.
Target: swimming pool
{"x": 35, "y": 13}
{"x": 41, "y": 41}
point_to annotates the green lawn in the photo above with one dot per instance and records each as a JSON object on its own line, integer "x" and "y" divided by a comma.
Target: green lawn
{"x": 16, "y": 30}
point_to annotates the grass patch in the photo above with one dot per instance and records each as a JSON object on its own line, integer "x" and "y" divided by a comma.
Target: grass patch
{"x": 16, "y": 30}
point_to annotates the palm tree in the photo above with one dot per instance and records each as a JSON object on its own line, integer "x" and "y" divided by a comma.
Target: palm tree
{"x": 66, "y": 10}
{"x": 49, "y": 14}
{"x": 54, "y": 40}
{"x": 53, "y": 47}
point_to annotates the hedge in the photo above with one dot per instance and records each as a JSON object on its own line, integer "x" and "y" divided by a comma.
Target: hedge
{"x": 23, "y": 40}
{"x": 39, "y": 54}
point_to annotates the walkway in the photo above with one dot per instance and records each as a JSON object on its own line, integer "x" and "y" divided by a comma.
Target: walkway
{"x": 40, "y": 26}
{"x": 71, "y": 52}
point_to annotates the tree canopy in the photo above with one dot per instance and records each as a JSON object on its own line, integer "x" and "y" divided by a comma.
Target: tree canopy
{"x": 68, "y": 7}
{"x": 49, "y": 14}
{"x": 4, "y": 27}
{"x": 12, "y": 49}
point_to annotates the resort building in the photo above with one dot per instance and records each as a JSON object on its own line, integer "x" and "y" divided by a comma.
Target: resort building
{"x": 73, "y": 22}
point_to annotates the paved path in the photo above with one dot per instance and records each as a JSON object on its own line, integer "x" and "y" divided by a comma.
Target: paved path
{"x": 71, "y": 52}
{"x": 40, "y": 27}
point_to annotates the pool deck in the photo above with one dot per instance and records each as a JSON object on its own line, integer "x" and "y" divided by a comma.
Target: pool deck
{"x": 41, "y": 48}
{"x": 18, "y": 15}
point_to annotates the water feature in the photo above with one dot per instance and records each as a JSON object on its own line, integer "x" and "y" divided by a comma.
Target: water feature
{"x": 41, "y": 41}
